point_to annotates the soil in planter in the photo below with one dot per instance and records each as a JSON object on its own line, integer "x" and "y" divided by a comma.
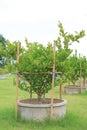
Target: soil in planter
{"x": 45, "y": 101}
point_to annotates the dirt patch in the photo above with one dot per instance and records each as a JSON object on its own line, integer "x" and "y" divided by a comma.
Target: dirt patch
{"x": 45, "y": 101}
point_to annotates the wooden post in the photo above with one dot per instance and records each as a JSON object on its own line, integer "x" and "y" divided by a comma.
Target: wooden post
{"x": 80, "y": 78}
{"x": 53, "y": 76}
{"x": 17, "y": 79}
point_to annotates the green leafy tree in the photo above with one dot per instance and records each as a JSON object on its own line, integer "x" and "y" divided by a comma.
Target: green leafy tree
{"x": 63, "y": 43}
{"x": 10, "y": 53}
{"x": 83, "y": 68}
{"x": 75, "y": 68}
{"x": 37, "y": 59}
{"x": 2, "y": 51}
{"x": 72, "y": 69}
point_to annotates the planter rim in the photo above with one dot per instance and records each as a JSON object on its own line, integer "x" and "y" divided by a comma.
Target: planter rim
{"x": 42, "y": 105}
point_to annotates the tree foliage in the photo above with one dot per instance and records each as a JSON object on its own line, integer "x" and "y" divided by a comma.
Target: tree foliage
{"x": 38, "y": 58}
{"x": 72, "y": 68}
{"x": 83, "y": 66}
{"x": 2, "y": 51}
{"x": 63, "y": 43}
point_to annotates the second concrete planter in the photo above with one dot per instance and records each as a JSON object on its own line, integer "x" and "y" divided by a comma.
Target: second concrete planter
{"x": 71, "y": 89}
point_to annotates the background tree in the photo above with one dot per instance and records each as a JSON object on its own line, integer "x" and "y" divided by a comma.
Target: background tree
{"x": 72, "y": 69}
{"x": 10, "y": 53}
{"x": 63, "y": 43}
{"x": 83, "y": 68}
{"x": 2, "y": 51}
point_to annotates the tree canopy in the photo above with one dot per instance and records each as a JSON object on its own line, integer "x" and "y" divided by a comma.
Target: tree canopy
{"x": 39, "y": 58}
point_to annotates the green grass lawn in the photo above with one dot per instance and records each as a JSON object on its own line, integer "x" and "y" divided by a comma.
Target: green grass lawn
{"x": 75, "y": 119}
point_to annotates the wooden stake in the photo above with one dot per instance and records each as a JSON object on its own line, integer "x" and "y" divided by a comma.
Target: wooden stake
{"x": 38, "y": 73}
{"x": 17, "y": 79}
{"x": 80, "y": 78}
{"x": 53, "y": 76}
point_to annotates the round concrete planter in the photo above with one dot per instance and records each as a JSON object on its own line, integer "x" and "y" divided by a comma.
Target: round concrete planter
{"x": 41, "y": 111}
{"x": 73, "y": 89}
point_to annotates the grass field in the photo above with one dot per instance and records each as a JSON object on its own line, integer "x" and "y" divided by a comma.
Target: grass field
{"x": 75, "y": 119}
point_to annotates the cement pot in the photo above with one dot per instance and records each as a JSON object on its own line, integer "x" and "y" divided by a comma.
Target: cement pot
{"x": 41, "y": 111}
{"x": 71, "y": 89}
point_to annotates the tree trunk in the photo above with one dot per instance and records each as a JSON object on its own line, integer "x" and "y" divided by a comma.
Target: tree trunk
{"x": 69, "y": 82}
{"x": 39, "y": 97}
{"x": 30, "y": 92}
{"x": 74, "y": 84}
{"x": 84, "y": 81}
{"x": 60, "y": 94}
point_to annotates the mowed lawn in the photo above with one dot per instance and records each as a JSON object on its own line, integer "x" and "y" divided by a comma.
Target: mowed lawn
{"x": 75, "y": 119}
